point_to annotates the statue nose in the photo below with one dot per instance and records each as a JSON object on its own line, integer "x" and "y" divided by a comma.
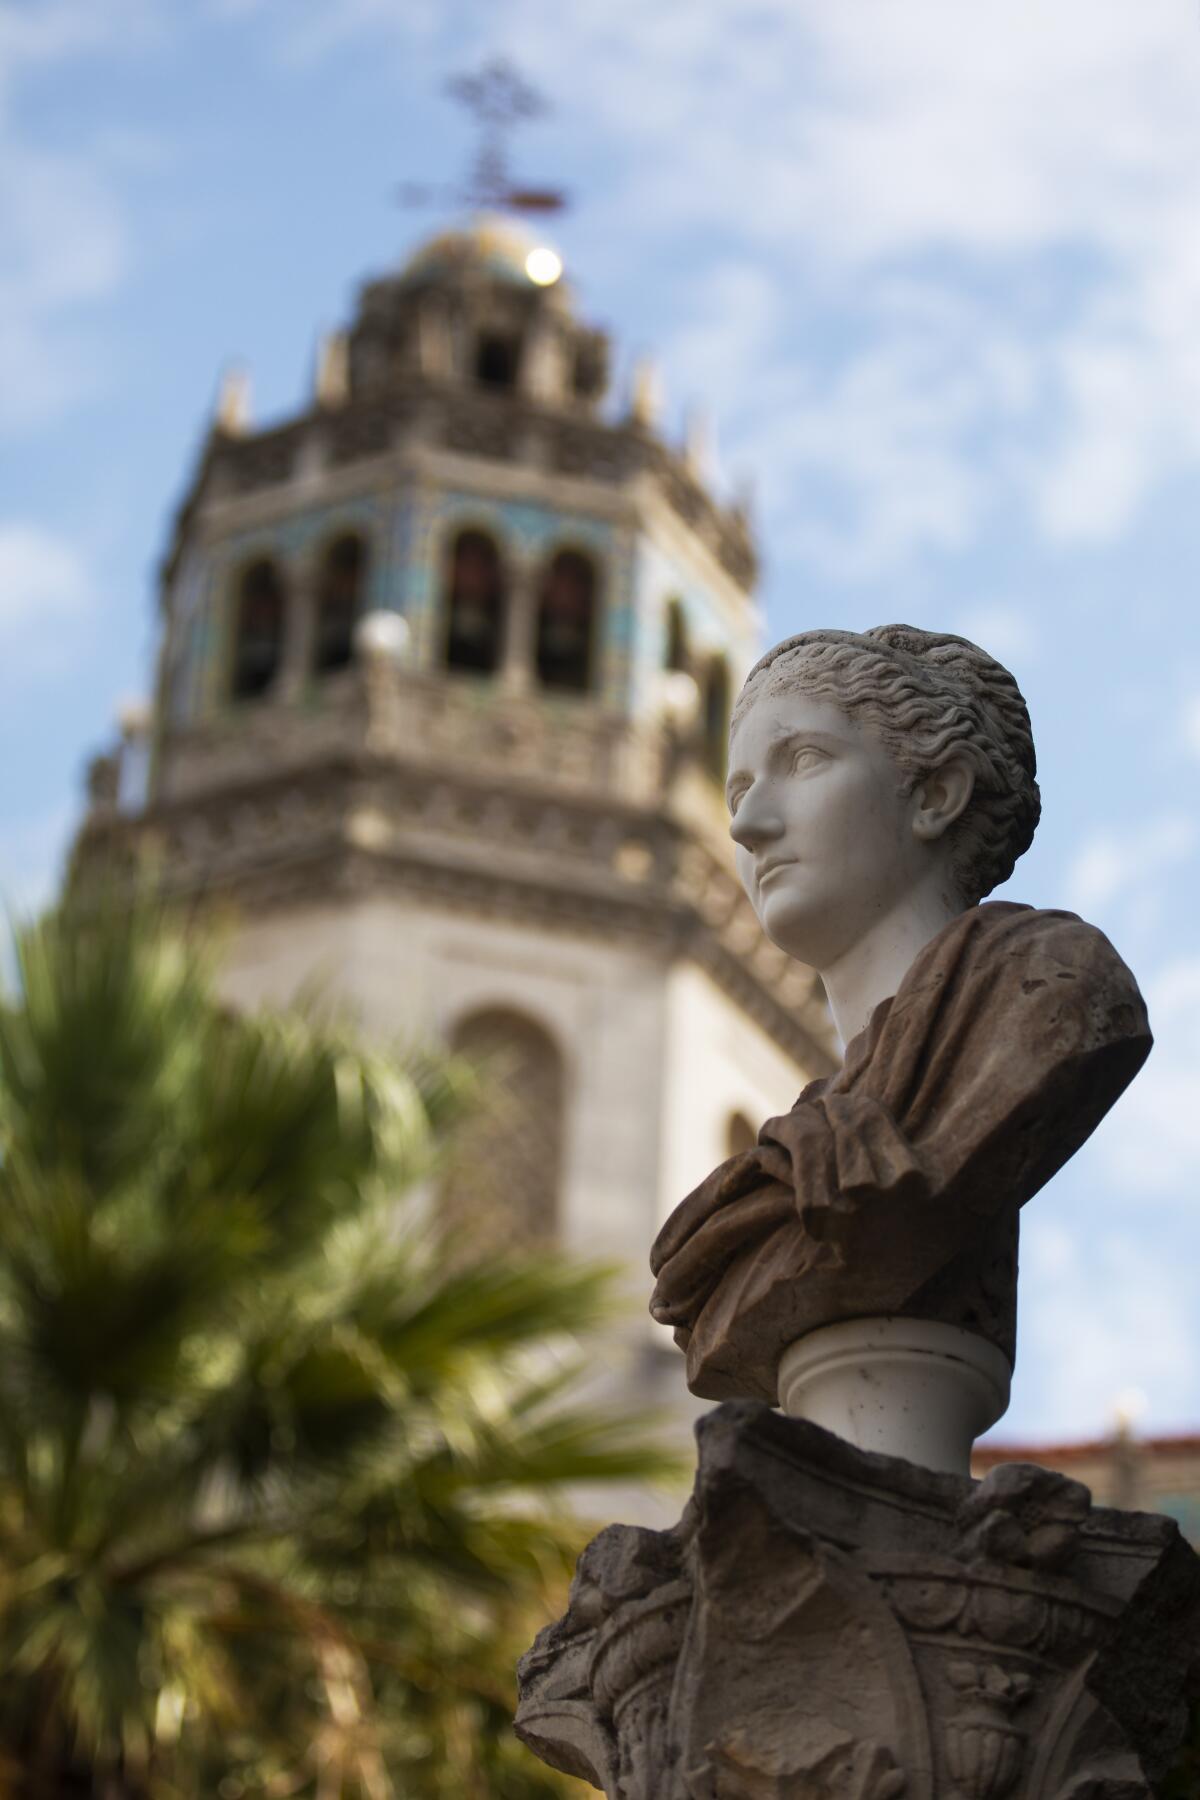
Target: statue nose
{"x": 754, "y": 823}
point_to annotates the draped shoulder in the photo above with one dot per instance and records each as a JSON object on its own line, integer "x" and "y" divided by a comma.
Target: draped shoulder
{"x": 893, "y": 1186}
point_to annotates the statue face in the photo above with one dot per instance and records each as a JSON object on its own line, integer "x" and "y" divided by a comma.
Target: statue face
{"x": 825, "y": 840}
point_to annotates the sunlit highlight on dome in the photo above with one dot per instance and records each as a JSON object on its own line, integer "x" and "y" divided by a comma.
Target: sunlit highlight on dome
{"x": 543, "y": 266}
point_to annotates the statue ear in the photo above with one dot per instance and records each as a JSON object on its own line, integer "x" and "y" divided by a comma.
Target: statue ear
{"x": 942, "y": 798}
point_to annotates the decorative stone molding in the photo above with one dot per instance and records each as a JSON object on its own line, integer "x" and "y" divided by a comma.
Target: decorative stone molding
{"x": 339, "y": 808}
{"x": 359, "y": 433}
{"x": 507, "y": 429}
{"x": 520, "y": 632}
{"x": 827, "y": 1624}
{"x": 431, "y": 719}
{"x": 300, "y": 626}
{"x": 103, "y": 781}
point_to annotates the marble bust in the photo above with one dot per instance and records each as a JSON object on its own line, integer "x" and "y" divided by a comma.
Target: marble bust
{"x": 881, "y": 785}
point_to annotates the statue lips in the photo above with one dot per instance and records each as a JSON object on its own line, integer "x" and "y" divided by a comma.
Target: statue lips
{"x": 779, "y": 862}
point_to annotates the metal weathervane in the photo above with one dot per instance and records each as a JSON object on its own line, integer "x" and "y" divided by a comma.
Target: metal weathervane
{"x": 499, "y": 98}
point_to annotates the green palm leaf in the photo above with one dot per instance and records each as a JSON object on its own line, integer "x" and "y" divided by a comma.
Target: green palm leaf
{"x": 281, "y": 1486}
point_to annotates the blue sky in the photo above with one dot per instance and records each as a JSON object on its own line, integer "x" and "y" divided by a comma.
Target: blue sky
{"x": 936, "y": 270}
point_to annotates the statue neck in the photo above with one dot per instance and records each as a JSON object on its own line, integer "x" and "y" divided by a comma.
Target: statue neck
{"x": 873, "y": 968}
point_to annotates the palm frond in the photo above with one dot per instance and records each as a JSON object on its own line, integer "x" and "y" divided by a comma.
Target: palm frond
{"x": 255, "y": 1424}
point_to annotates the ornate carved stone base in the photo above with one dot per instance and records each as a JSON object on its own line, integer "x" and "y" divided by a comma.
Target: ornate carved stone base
{"x": 827, "y": 1624}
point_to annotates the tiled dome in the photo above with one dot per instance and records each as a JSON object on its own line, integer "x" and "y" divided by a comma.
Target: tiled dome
{"x": 494, "y": 247}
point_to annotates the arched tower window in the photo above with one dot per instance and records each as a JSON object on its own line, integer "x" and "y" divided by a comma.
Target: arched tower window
{"x": 503, "y": 1187}
{"x": 739, "y": 1134}
{"x": 566, "y": 623}
{"x": 496, "y": 356}
{"x": 716, "y": 717}
{"x": 676, "y": 656}
{"x": 258, "y": 631}
{"x": 339, "y": 602}
{"x": 475, "y": 605}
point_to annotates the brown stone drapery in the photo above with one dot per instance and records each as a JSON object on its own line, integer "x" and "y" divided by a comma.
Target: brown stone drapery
{"x": 893, "y": 1186}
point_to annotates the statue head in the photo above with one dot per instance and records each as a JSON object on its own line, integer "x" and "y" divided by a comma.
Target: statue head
{"x": 925, "y": 774}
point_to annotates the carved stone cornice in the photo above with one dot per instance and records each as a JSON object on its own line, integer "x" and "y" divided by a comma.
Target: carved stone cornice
{"x": 553, "y": 859}
{"x": 438, "y": 721}
{"x": 508, "y": 429}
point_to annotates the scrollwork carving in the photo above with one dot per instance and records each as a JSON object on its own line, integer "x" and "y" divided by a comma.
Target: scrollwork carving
{"x": 850, "y": 1770}
{"x": 1023, "y": 1515}
{"x": 829, "y": 1625}
{"x": 984, "y": 1751}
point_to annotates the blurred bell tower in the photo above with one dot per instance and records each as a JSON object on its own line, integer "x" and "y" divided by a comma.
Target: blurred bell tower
{"x": 442, "y": 695}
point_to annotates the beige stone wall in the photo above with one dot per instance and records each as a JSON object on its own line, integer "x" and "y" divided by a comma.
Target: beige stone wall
{"x": 718, "y": 1063}
{"x": 657, "y": 1059}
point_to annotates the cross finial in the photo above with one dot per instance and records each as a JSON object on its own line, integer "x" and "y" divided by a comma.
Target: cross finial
{"x": 499, "y": 97}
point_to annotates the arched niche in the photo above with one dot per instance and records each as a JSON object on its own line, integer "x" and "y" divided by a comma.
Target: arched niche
{"x": 497, "y": 358}
{"x": 676, "y": 654}
{"x": 341, "y": 583}
{"x": 714, "y": 716}
{"x": 565, "y": 642}
{"x": 258, "y": 625}
{"x": 476, "y": 604}
{"x": 502, "y": 1189}
{"x": 739, "y": 1134}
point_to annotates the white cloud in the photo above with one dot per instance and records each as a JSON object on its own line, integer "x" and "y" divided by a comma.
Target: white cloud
{"x": 1116, "y": 865}
{"x": 57, "y": 28}
{"x": 734, "y": 308}
{"x": 65, "y": 239}
{"x": 1036, "y": 171}
{"x": 1153, "y": 1144}
{"x": 1108, "y": 1254}
{"x": 44, "y": 583}
{"x": 1104, "y": 1309}
{"x": 32, "y": 853}
{"x": 307, "y": 30}
{"x": 978, "y": 224}
{"x": 1004, "y": 630}
{"x": 858, "y": 133}
{"x": 855, "y": 458}
{"x": 1191, "y": 725}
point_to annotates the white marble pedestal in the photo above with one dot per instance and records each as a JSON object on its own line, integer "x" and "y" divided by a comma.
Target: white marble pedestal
{"x": 900, "y": 1387}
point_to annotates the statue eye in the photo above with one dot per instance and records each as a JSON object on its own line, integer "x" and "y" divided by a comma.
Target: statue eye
{"x": 807, "y": 756}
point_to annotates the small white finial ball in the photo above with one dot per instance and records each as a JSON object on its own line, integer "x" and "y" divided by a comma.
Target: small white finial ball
{"x": 1129, "y": 1405}
{"x": 133, "y": 717}
{"x": 680, "y": 697}
{"x": 383, "y": 634}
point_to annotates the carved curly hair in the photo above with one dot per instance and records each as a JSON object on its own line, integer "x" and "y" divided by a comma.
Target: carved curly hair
{"x": 929, "y": 698}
